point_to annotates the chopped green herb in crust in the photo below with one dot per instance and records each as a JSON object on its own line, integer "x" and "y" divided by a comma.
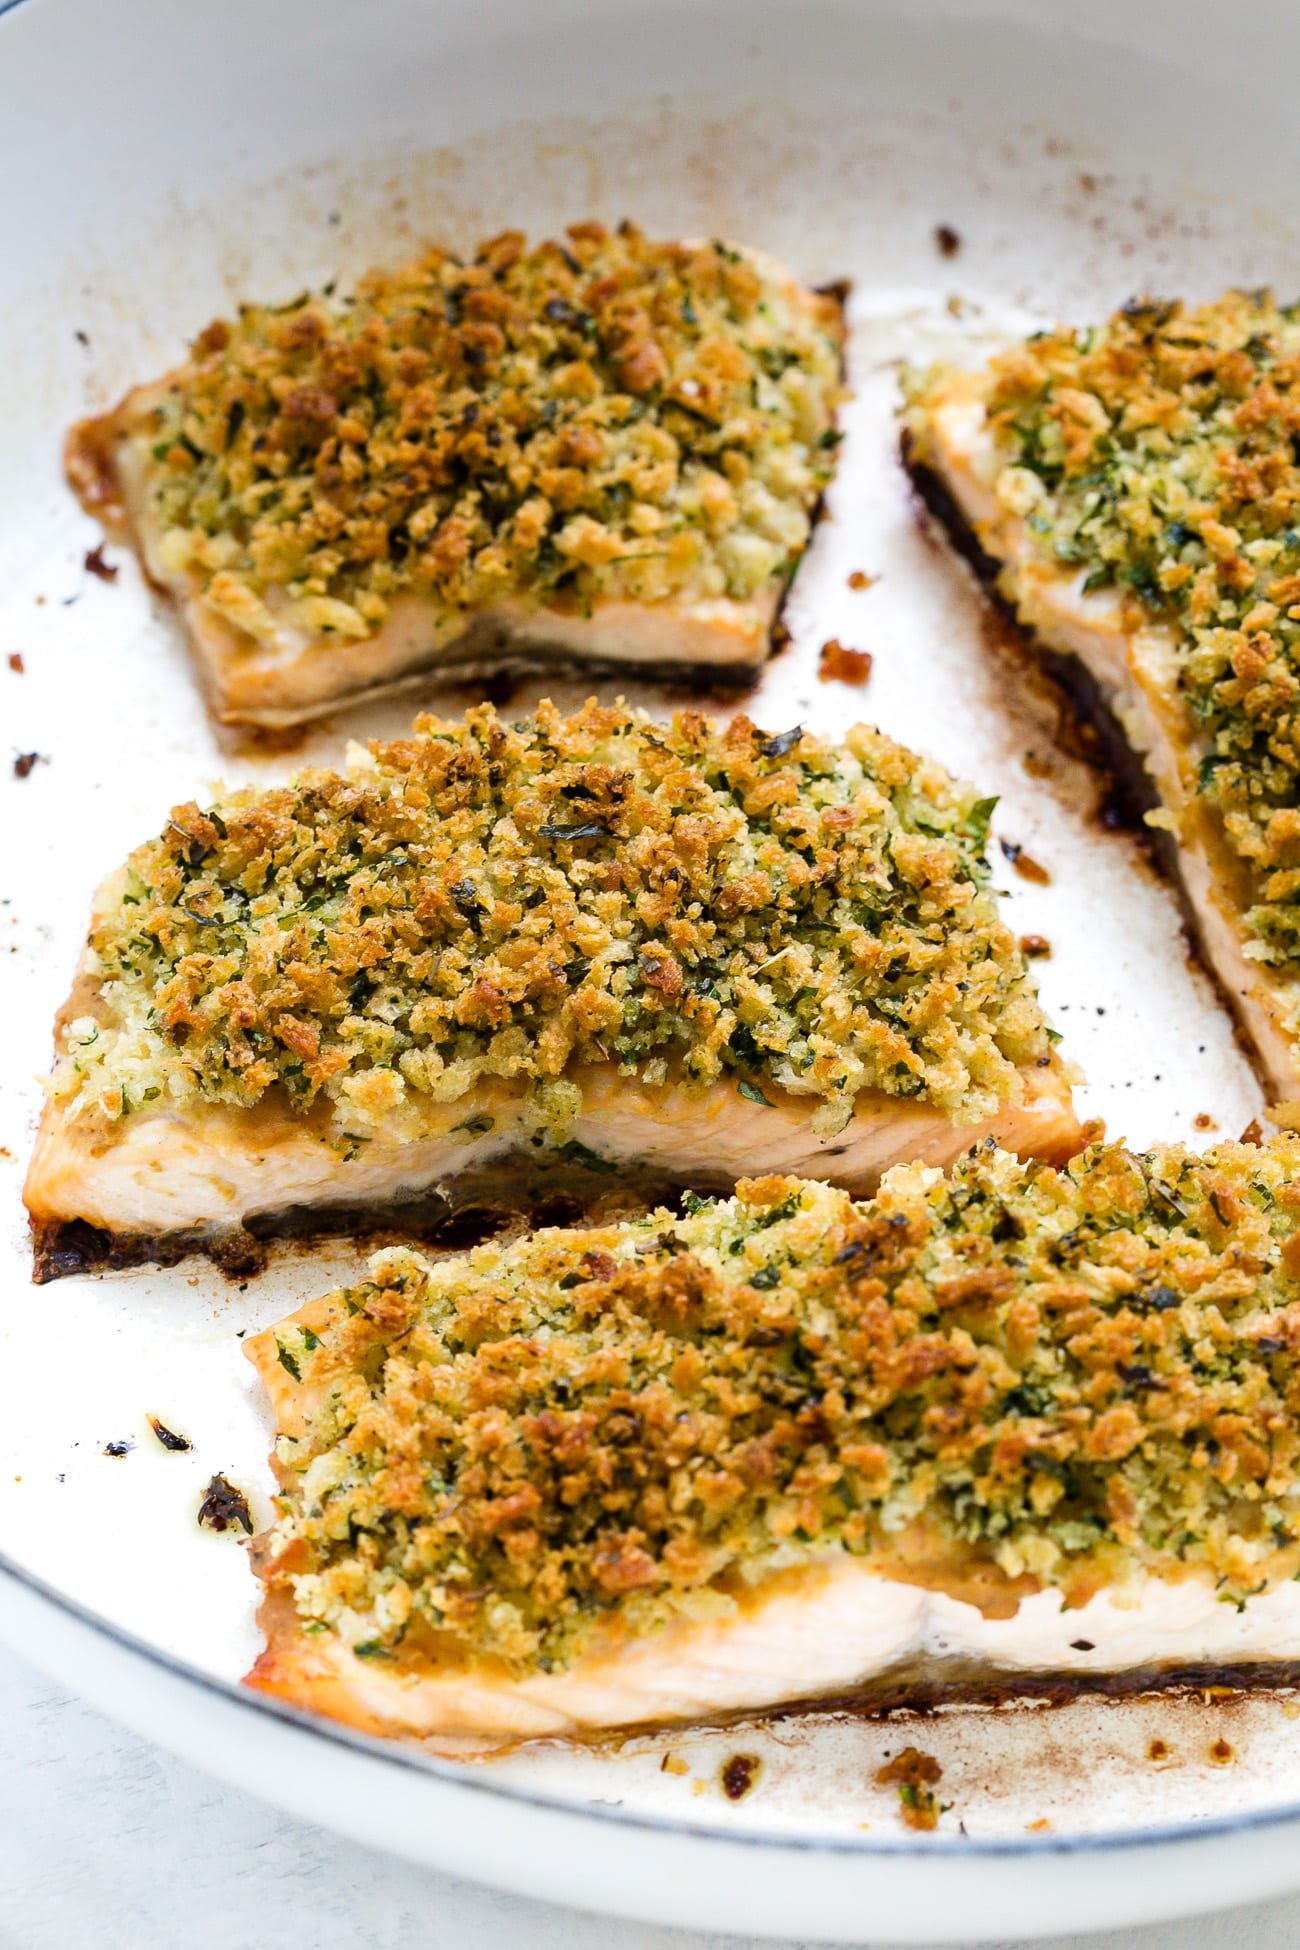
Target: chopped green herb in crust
{"x": 1075, "y": 1376}
{"x": 489, "y": 900}
{"x": 598, "y": 416}
{"x": 1159, "y": 454}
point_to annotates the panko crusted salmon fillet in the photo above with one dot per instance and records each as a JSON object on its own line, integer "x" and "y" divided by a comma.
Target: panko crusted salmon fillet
{"x": 1010, "y": 1424}
{"x": 497, "y": 952}
{"x": 1136, "y": 486}
{"x": 599, "y": 449}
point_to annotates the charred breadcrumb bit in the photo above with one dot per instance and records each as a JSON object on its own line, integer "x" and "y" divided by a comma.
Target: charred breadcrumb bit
{"x": 859, "y": 579}
{"x": 1035, "y": 947}
{"x": 483, "y": 899}
{"x": 1025, "y": 865}
{"x": 96, "y": 563}
{"x": 120, "y": 1448}
{"x": 25, "y": 763}
{"x": 1073, "y": 1375}
{"x": 168, "y": 1438}
{"x": 15, "y": 662}
{"x": 599, "y": 416}
{"x": 915, "y": 1775}
{"x": 1158, "y": 455}
{"x": 738, "y": 1774}
{"x": 224, "y": 1507}
{"x": 947, "y": 241}
{"x": 838, "y": 663}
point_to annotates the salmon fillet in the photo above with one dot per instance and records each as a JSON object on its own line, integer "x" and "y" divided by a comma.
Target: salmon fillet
{"x": 598, "y": 450}
{"x": 1135, "y": 488}
{"x": 489, "y": 956}
{"x": 1005, "y": 1426}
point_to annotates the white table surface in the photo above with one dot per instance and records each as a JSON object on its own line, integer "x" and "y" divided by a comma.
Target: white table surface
{"x": 107, "y": 1843}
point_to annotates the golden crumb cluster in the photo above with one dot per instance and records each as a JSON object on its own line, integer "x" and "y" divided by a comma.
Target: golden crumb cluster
{"x": 1161, "y": 453}
{"x": 483, "y": 899}
{"x": 598, "y": 416}
{"x": 1074, "y": 1374}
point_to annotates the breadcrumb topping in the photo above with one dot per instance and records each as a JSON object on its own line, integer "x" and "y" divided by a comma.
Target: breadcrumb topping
{"x": 602, "y": 416}
{"x": 1158, "y": 453}
{"x": 1076, "y": 1375}
{"x": 491, "y": 900}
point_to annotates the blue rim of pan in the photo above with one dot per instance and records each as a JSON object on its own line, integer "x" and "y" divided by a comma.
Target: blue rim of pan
{"x": 963, "y": 1846}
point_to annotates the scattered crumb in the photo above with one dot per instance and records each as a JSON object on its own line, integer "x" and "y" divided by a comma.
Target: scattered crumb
{"x": 25, "y": 763}
{"x": 15, "y": 662}
{"x": 1036, "y": 766}
{"x": 1222, "y": 1754}
{"x": 859, "y": 579}
{"x": 1036, "y": 946}
{"x": 848, "y": 666}
{"x": 1082, "y": 1645}
{"x": 1025, "y": 865}
{"x": 1203, "y": 1121}
{"x": 674, "y": 1764}
{"x": 82, "y": 338}
{"x": 224, "y": 1506}
{"x": 168, "y": 1438}
{"x": 738, "y": 1775}
{"x": 121, "y": 1448}
{"x": 1253, "y": 1133}
{"x": 947, "y": 241}
{"x": 1158, "y": 1750}
{"x": 915, "y": 1775}
{"x": 1040, "y": 1827}
{"x": 96, "y": 563}
{"x": 1087, "y": 181}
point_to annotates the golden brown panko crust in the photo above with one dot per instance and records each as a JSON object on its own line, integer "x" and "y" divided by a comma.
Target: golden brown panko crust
{"x": 488, "y": 900}
{"x": 599, "y": 417}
